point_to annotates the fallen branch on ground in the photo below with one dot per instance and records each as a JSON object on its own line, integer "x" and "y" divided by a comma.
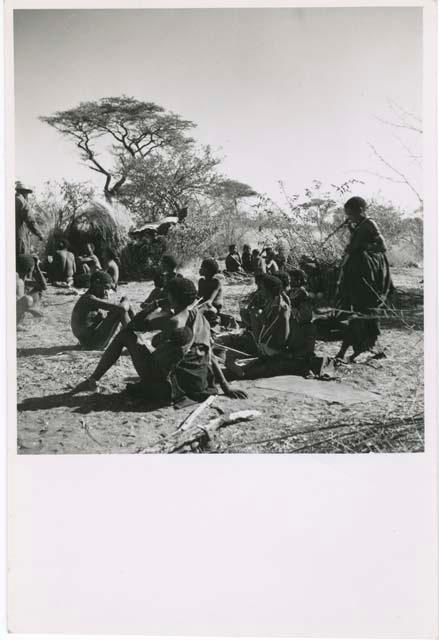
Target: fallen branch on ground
{"x": 200, "y": 438}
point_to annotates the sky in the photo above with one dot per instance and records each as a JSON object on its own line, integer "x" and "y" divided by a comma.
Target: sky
{"x": 286, "y": 95}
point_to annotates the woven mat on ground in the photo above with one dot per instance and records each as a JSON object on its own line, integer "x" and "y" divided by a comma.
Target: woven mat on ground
{"x": 330, "y": 391}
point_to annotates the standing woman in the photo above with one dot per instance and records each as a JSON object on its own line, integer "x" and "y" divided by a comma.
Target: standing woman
{"x": 364, "y": 282}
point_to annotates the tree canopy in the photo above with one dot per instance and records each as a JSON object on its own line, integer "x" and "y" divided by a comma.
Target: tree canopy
{"x": 125, "y": 128}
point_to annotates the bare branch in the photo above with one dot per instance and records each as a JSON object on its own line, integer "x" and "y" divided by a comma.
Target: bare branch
{"x": 399, "y": 126}
{"x": 404, "y": 178}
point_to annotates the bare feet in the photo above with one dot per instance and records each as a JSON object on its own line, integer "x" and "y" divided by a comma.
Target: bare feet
{"x": 89, "y": 384}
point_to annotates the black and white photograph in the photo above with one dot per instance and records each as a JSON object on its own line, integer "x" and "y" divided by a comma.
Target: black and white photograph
{"x": 219, "y": 230}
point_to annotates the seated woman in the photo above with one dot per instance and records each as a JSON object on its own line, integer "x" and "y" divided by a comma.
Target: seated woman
{"x": 296, "y": 356}
{"x": 302, "y": 338}
{"x": 90, "y": 326}
{"x": 30, "y": 284}
{"x": 210, "y": 291}
{"x": 268, "y": 329}
{"x": 233, "y": 260}
{"x": 181, "y": 364}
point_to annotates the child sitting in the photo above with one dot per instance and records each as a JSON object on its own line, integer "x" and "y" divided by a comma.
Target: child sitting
{"x": 30, "y": 284}
{"x": 210, "y": 290}
{"x": 301, "y": 342}
{"x": 90, "y": 326}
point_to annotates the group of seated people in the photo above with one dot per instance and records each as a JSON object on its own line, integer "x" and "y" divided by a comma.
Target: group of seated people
{"x": 254, "y": 261}
{"x": 185, "y": 359}
{"x": 66, "y": 269}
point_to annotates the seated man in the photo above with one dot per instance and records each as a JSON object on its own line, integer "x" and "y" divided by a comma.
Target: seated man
{"x": 30, "y": 284}
{"x": 210, "y": 290}
{"x": 90, "y": 326}
{"x": 268, "y": 329}
{"x": 89, "y": 261}
{"x": 181, "y": 364}
{"x": 63, "y": 267}
{"x": 233, "y": 260}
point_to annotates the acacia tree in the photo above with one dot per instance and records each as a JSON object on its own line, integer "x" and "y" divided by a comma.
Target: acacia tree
{"x": 168, "y": 183}
{"x": 227, "y": 198}
{"x": 124, "y": 128}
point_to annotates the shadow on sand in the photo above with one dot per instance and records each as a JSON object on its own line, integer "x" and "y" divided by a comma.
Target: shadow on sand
{"x": 115, "y": 402}
{"x": 47, "y": 351}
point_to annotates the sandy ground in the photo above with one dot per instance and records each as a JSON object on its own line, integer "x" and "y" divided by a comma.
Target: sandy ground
{"x": 48, "y": 360}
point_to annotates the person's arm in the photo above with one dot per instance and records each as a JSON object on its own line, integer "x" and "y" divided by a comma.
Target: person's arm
{"x": 100, "y": 303}
{"x": 145, "y": 321}
{"x": 282, "y": 327}
{"x": 225, "y": 387}
{"x": 273, "y": 265}
{"x": 277, "y": 334}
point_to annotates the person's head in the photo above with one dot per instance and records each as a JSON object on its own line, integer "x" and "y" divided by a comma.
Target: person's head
{"x": 355, "y": 208}
{"x": 297, "y": 278}
{"x": 181, "y": 293}
{"x": 285, "y": 280}
{"x": 22, "y": 189}
{"x": 271, "y": 286}
{"x": 269, "y": 253}
{"x": 232, "y": 248}
{"x": 89, "y": 248}
{"x": 255, "y": 253}
{"x": 25, "y": 265}
{"x": 209, "y": 268}
{"x": 101, "y": 283}
{"x": 62, "y": 244}
{"x": 168, "y": 263}
{"x": 246, "y": 248}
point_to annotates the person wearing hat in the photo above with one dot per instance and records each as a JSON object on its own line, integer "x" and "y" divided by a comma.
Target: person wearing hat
{"x": 90, "y": 326}
{"x": 24, "y": 220}
{"x": 29, "y": 286}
